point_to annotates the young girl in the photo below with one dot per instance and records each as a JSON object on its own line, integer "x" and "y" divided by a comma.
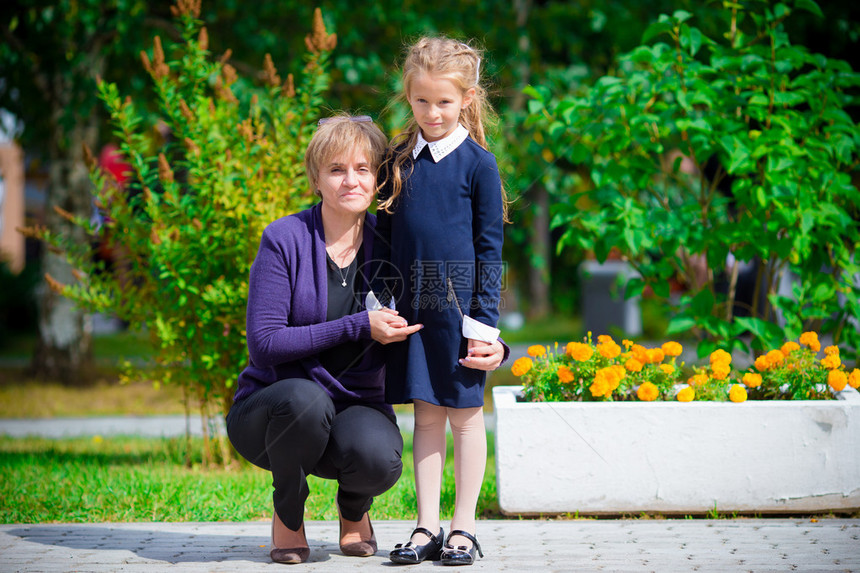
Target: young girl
{"x": 441, "y": 211}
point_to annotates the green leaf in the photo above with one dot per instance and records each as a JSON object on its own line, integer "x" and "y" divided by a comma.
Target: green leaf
{"x": 680, "y": 324}
{"x": 809, "y": 6}
{"x": 769, "y": 333}
{"x": 681, "y": 15}
{"x": 703, "y": 303}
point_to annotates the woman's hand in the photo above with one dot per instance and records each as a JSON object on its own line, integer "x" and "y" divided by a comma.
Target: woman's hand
{"x": 483, "y": 355}
{"x": 387, "y": 326}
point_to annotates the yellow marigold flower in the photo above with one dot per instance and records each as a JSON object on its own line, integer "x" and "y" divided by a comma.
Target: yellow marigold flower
{"x": 647, "y": 392}
{"x": 831, "y": 361}
{"x": 686, "y": 394}
{"x": 738, "y": 393}
{"x": 536, "y": 350}
{"x": 752, "y": 379}
{"x": 720, "y": 370}
{"x": 831, "y": 350}
{"x": 854, "y": 378}
{"x": 672, "y": 348}
{"x": 579, "y": 351}
{"x": 521, "y": 366}
{"x": 565, "y": 376}
{"x": 667, "y": 369}
{"x": 810, "y": 340}
{"x": 626, "y": 343}
{"x": 604, "y": 339}
{"x": 775, "y": 358}
{"x": 789, "y": 347}
{"x": 655, "y": 355}
{"x": 720, "y": 356}
{"x": 761, "y": 363}
{"x": 608, "y": 349}
{"x": 837, "y": 380}
{"x": 698, "y": 380}
{"x": 633, "y": 365}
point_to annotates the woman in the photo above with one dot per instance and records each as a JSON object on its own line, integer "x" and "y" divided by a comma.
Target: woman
{"x": 311, "y": 401}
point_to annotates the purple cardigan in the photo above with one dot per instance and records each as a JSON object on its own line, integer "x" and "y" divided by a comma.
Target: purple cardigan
{"x": 286, "y": 320}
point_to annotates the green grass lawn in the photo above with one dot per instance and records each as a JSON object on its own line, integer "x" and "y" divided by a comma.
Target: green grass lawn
{"x": 132, "y": 479}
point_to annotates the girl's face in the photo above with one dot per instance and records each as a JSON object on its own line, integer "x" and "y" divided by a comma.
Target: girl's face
{"x": 347, "y": 184}
{"x": 436, "y": 103}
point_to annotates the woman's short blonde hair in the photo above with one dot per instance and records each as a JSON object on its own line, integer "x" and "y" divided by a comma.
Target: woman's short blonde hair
{"x": 341, "y": 135}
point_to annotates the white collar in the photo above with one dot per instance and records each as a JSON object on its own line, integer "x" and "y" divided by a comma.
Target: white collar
{"x": 441, "y": 148}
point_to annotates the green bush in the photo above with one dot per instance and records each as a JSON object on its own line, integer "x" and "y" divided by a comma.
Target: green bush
{"x": 187, "y": 226}
{"x": 706, "y": 153}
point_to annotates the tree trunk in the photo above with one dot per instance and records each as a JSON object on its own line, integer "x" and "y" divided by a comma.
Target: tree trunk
{"x": 64, "y": 349}
{"x": 540, "y": 253}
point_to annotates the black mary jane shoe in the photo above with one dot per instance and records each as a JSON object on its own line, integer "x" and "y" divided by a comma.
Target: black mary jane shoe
{"x": 412, "y": 554}
{"x": 460, "y": 555}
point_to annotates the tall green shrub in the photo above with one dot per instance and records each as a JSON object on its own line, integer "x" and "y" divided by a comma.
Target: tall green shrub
{"x": 187, "y": 226}
{"x": 703, "y": 153}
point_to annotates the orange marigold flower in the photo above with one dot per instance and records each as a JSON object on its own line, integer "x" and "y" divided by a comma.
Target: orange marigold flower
{"x": 521, "y": 366}
{"x": 619, "y": 373}
{"x": 536, "y": 350}
{"x": 698, "y": 380}
{"x": 647, "y": 392}
{"x": 599, "y": 388}
{"x": 738, "y": 393}
{"x": 810, "y": 340}
{"x": 720, "y": 356}
{"x": 752, "y": 379}
{"x": 761, "y": 363}
{"x": 672, "y": 348}
{"x": 667, "y": 369}
{"x": 655, "y": 355}
{"x": 633, "y": 365}
{"x": 640, "y": 353}
{"x": 854, "y": 378}
{"x": 831, "y": 361}
{"x": 831, "y": 350}
{"x": 565, "y": 376}
{"x": 775, "y": 358}
{"x": 837, "y": 380}
{"x": 721, "y": 370}
{"x": 606, "y": 380}
{"x": 789, "y": 347}
{"x": 608, "y": 349}
{"x": 604, "y": 339}
{"x": 579, "y": 351}
{"x": 686, "y": 394}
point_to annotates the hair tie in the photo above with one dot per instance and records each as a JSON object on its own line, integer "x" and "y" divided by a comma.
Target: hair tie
{"x": 477, "y": 65}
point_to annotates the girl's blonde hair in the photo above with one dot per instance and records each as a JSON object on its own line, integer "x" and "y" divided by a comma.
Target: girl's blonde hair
{"x": 459, "y": 63}
{"x": 340, "y": 135}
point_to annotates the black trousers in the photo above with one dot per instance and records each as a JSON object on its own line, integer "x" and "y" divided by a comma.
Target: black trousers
{"x": 291, "y": 429}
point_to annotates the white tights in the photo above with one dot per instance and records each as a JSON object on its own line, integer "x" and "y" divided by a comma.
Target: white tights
{"x": 470, "y": 461}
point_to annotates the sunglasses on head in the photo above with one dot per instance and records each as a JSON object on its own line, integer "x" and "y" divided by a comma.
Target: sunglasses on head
{"x": 355, "y": 118}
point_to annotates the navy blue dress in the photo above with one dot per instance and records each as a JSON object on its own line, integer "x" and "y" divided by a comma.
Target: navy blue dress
{"x": 446, "y": 227}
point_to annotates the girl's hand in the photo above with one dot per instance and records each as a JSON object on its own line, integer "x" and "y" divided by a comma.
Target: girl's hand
{"x": 386, "y": 326}
{"x": 483, "y": 355}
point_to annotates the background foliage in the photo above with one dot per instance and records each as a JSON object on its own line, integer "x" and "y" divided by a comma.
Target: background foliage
{"x": 186, "y": 226}
{"x": 702, "y": 154}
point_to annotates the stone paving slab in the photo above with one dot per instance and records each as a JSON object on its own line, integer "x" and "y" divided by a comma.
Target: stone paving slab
{"x": 509, "y": 545}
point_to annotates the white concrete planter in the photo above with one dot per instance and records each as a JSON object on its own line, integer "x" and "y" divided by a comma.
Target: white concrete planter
{"x": 676, "y": 458}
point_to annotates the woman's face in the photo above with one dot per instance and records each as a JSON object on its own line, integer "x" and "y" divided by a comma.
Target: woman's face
{"x": 347, "y": 184}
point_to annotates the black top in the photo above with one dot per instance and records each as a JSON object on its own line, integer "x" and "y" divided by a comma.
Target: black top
{"x": 342, "y": 301}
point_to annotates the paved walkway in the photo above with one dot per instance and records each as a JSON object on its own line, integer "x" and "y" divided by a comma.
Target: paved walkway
{"x": 509, "y": 545}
